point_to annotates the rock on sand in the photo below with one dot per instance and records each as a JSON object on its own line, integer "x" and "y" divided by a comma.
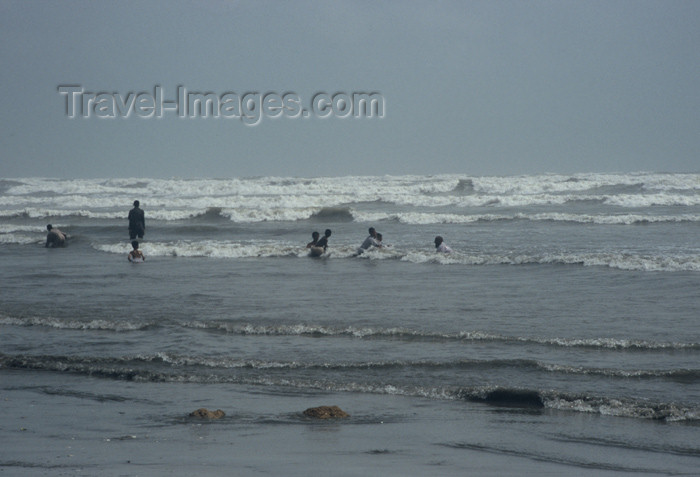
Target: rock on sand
{"x": 207, "y": 414}
{"x": 325, "y": 412}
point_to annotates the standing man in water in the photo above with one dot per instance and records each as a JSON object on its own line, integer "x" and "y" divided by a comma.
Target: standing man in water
{"x": 137, "y": 222}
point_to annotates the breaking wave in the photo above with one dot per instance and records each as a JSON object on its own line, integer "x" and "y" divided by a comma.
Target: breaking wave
{"x": 177, "y": 370}
{"x": 270, "y": 248}
{"x": 411, "y": 335}
{"x": 270, "y": 198}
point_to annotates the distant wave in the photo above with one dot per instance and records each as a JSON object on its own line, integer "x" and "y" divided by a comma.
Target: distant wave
{"x": 211, "y": 213}
{"x": 6, "y": 184}
{"x": 612, "y": 183}
{"x": 347, "y": 214}
{"x": 334, "y": 214}
{"x": 45, "y": 213}
{"x": 464, "y": 186}
{"x": 270, "y": 198}
{"x": 427, "y": 218}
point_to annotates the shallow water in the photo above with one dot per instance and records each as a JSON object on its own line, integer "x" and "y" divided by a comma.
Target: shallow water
{"x": 560, "y": 336}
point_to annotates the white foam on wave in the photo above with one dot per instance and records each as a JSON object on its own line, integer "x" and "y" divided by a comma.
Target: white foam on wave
{"x": 298, "y": 329}
{"x": 622, "y": 261}
{"x": 210, "y": 249}
{"x": 622, "y": 408}
{"x": 233, "y": 362}
{"x": 366, "y": 186}
{"x": 17, "y": 239}
{"x": 611, "y": 343}
{"x": 251, "y": 211}
{"x": 69, "y": 324}
{"x": 40, "y": 213}
{"x": 576, "y": 183}
{"x": 13, "y": 228}
{"x": 284, "y": 199}
{"x": 241, "y": 215}
{"x": 650, "y": 200}
{"x": 309, "y": 329}
{"x": 267, "y": 249}
{"x": 291, "y": 214}
{"x": 623, "y": 373}
{"x": 427, "y": 218}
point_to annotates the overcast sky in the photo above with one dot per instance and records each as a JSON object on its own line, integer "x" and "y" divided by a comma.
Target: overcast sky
{"x": 469, "y": 87}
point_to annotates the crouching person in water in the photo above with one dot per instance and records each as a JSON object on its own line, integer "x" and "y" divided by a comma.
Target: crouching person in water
{"x": 314, "y": 240}
{"x": 55, "y": 238}
{"x": 136, "y": 255}
{"x": 441, "y": 246}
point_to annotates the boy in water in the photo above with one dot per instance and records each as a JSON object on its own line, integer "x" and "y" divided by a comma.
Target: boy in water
{"x": 379, "y": 239}
{"x": 370, "y": 241}
{"x": 441, "y": 246}
{"x": 314, "y": 241}
{"x": 323, "y": 241}
{"x": 136, "y": 255}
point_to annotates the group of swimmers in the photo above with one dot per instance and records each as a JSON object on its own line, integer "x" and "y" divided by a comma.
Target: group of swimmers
{"x": 319, "y": 245}
{"x": 137, "y": 228}
{"x": 374, "y": 239}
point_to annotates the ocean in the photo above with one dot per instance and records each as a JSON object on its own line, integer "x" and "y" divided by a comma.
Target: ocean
{"x": 560, "y": 337}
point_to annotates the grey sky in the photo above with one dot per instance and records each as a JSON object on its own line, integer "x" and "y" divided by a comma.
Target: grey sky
{"x": 482, "y": 87}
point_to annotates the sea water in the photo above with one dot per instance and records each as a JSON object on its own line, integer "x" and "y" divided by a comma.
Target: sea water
{"x": 561, "y": 336}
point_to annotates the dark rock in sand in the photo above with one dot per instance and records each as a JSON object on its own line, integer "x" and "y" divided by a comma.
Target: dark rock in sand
{"x": 325, "y": 412}
{"x": 207, "y": 414}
